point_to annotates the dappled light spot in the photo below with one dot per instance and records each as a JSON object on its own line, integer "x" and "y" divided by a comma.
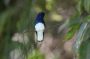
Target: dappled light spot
{"x": 49, "y": 4}
{"x": 56, "y": 17}
{"x": 37, "y": 9}
{"x": 16, "y": 54}
{"x": 21, "y": 38}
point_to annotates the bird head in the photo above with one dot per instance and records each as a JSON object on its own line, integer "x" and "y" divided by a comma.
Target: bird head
{"x": 40, "y": 18}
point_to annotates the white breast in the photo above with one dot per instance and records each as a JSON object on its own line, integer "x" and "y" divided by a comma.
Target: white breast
{"x": 39, "y": 29}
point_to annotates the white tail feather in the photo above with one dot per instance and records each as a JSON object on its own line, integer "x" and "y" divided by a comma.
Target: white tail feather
{"x": 40, "y": 35}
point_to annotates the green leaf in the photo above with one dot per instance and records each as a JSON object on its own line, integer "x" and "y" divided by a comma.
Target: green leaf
{"x": 36, "y": 54}
{"x": 86, "y": 4}
{"x": 84, "y": 51}
{"x": 79, "y": 47}
{"x": 79, "y": 7}
{"x": 86, "y": 19}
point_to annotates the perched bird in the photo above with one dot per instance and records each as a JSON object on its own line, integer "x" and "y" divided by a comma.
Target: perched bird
{"x": 40, "y": 26}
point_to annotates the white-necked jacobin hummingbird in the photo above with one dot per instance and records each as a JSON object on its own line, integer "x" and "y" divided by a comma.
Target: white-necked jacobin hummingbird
{"x": 40, "y": 26}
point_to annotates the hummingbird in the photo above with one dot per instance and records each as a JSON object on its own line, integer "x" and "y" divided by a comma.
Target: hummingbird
{"x": 40, "y": 26}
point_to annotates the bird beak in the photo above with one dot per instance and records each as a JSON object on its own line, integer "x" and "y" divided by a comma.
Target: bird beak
{"x": 40, "y": 36}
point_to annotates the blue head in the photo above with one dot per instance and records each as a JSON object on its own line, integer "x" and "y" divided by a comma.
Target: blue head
{"x": 40, "y": 18}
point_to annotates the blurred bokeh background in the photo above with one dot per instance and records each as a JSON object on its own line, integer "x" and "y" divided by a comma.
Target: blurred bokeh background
{"x": 63, "y": 18}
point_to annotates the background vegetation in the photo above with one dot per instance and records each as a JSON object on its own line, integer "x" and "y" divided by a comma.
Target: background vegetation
{"x": 68, "y": 16}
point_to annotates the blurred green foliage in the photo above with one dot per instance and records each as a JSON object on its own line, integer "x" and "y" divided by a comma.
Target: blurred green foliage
{"x": 36, "y": 54}
{"x": 19, "y": 17}
{"x": 82, "y": 45}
